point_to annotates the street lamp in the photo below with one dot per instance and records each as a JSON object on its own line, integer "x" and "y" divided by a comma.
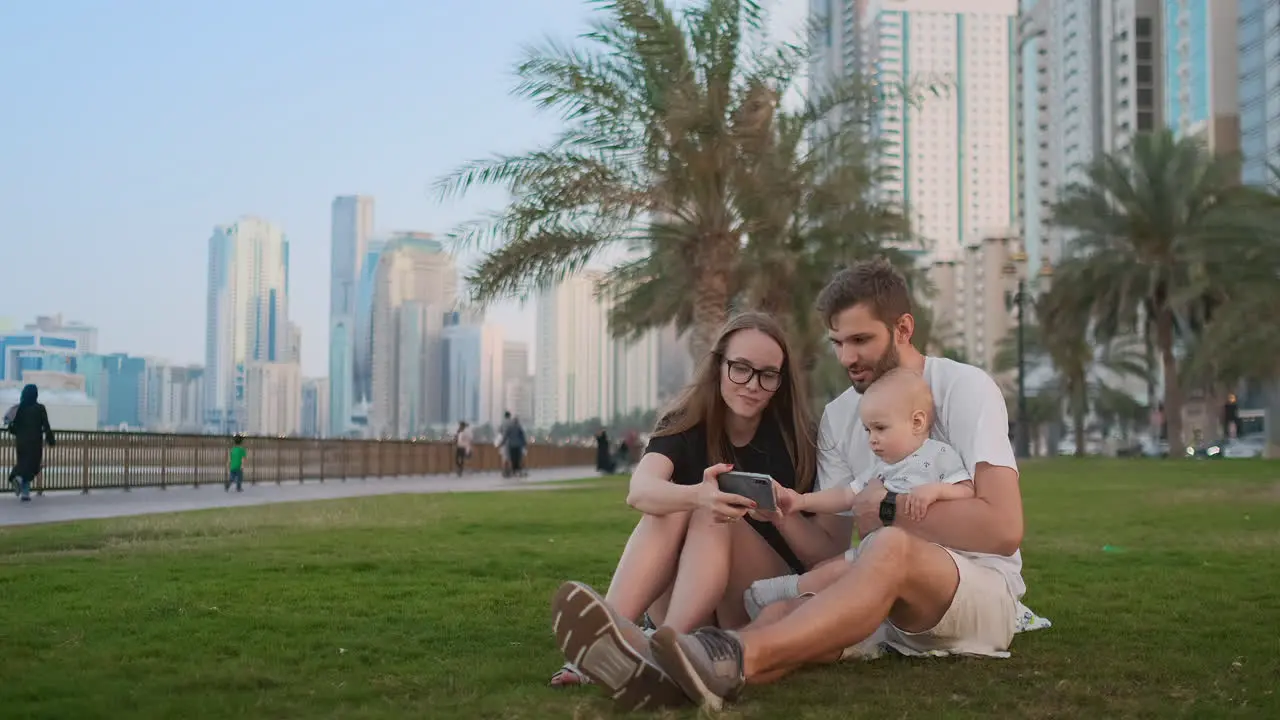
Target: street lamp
{"x": 1022, "y": 435}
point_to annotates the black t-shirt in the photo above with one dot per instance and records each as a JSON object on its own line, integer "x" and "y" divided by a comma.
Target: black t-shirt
{"x": 766, "y": 454}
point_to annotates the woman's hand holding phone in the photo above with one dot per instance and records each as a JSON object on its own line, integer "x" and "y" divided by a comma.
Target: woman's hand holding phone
{"x": 724, "y": 507}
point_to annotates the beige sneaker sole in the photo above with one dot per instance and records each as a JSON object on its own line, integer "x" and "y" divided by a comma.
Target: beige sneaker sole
{"x": 588, "y": 634}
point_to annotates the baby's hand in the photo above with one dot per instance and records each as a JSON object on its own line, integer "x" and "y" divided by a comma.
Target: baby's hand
{"x": 789, "y": 501}
{"x": 919, "y": 500}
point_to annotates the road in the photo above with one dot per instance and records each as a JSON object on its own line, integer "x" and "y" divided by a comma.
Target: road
{"x": 72, "y": 505}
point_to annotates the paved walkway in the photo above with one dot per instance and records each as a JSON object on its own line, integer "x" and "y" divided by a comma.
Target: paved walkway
{"x": 63, "y": 506}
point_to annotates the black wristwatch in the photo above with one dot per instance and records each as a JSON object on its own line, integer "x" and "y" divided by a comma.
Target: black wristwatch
{"x": 889, "y": 508}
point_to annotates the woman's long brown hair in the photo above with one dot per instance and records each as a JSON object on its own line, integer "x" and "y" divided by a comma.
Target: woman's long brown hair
{"x": 700, "y": 402}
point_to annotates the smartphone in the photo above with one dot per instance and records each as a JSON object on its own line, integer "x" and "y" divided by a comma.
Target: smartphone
{"x": 750, "y": 485}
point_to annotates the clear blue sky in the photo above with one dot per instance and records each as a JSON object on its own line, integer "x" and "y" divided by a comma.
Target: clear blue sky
{"x": 130, "y": 128}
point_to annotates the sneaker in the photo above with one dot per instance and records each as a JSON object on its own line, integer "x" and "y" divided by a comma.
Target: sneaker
{"x": 25, "y": 489}
{"x": 707, "y": 663}
{"x": 591, "y": 636}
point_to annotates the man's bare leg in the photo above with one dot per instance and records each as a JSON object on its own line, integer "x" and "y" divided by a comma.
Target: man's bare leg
{"x": 899, "y": 577}
{"x": 772, "y": 614}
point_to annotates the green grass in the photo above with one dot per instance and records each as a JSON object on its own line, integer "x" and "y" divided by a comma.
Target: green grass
{"x": 436, "y": 606}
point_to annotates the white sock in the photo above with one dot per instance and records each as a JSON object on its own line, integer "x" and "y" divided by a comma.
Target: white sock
{"x": 770, "y": 590}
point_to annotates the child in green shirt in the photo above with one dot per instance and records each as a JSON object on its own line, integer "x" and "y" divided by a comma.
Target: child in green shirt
{"x": 236, "y": 466}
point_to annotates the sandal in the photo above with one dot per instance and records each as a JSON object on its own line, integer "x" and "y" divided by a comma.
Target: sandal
{"x": 569, "y": 676}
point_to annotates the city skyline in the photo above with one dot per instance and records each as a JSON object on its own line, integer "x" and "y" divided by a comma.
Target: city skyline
{"x": 331, "y": 103}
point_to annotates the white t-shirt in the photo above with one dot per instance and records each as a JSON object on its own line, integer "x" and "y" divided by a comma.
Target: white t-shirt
{"x": 969, "y": 415}
{"x": 933, "y": 462}
{"x": 464, "y": 439}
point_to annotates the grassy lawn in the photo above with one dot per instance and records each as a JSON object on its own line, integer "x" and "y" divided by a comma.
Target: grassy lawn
{"x": 436, "y": 606}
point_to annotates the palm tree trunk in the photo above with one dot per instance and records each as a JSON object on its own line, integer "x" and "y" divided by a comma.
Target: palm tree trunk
{"x": 1149, "y": 357}
{"x": 714, "y": 261}
{"x": 1172, "y": 392}
{"x": 1077, "y": 413}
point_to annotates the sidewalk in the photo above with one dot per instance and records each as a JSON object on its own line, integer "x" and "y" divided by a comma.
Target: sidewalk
{"x": 64, "y": 506}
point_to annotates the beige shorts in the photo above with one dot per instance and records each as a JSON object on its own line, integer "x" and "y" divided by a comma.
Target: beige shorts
{"x": 980, "y": 620}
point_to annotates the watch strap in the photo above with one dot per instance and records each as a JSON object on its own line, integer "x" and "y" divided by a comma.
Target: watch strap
{"x": 889, "y": 508}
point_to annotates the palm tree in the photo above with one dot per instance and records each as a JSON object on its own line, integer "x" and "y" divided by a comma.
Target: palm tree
{"x": 1156, "y": 229}
{"x": 677, "y": 152}
{"x": 656, "y": 110}
{"x": 1082, "y": 373}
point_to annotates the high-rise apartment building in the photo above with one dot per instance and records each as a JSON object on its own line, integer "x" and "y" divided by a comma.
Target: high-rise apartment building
{"x": 972, "y": 314}
{"x": 121, "y": 386}
{"x": 362, "y": 388}
{"x": 1087, "y": 80}
{"x": 248, "y": 314}
{"x": 175, "y": 398}
{"x": 274, "y": 406}
{"x": 352, "y": 227}
{"x": 517, "y": 383}
{"x": 836, "y": 45}
{"x": 675, "y": 367}
{"x": 581, "y": 371}
{"x": 1201, "y": 71}
{"x": 1258, "y": 58}
{"x": 951, "y": 151}
{"x": 315, "y": 407}
{"x": 1132, "y": 52}
{"x": 574, "y": 366}
{"x": 635, "y": 374}
{"x": 416, "y": 286}
{"x": 473, "y": 373}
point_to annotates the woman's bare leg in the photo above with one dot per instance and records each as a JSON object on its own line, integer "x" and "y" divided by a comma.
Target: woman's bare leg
{"x": 642, "y": 579}
{"x": 718, "y": 562}
{"x": 647, "y": 567}
{"x": 703, "y": 572}
{"x": 751, "y": 559}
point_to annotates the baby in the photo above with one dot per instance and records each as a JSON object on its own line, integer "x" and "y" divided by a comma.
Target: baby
{"x": 897, "y": 411}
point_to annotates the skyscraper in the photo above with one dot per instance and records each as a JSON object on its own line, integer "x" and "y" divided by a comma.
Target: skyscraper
{"x": 274, "y": 404}
{"x": 362, "y": 389}
{"x": 582, "y": 372}
{"x": 315, "y": 407}
{"x": 1201, "y": 75}
{"x": 517, "y": 383}
{"x": 836, "y": 42}
{"x": 574, "y": 369}
{"x": 1258, "y": 43}
{"x": 635, "y": 374}
{"x": 416, "y": 285}
{"x": 352, "y": 226}
{"x": 248, "y": 314}
{"x": 474, "y": 377}
{"x": 952, "y": 152}
{"x": 1088, "y": 79}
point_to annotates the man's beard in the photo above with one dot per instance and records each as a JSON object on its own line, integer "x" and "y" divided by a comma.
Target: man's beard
{"x": 888, "y": 361}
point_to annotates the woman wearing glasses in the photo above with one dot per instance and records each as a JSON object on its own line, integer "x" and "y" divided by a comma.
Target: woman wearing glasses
{"x": 696, "y": 549}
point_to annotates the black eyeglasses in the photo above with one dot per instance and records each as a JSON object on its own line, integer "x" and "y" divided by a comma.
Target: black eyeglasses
{"x": 741, "y": 373}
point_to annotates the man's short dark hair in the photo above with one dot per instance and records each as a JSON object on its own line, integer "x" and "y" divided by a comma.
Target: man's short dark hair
{"x": 874, "y": 282}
